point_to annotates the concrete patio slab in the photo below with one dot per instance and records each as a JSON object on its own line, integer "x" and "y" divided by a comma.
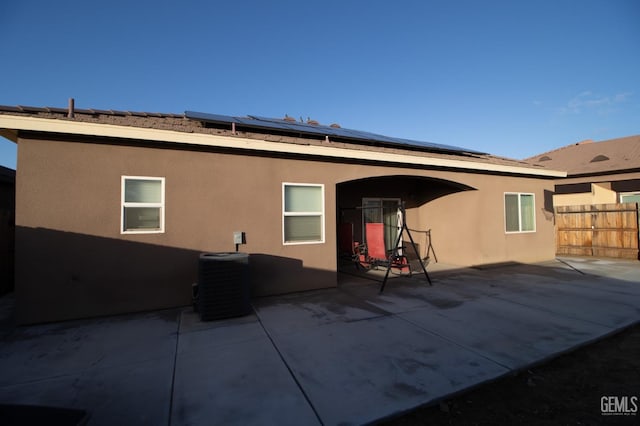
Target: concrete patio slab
{"x": 301, "y": 311}
{"x": 134, "y": 394}
{"x": 341, "y": 356}
{"x": 357, "y": 372}
{"x": 601, "y": 300}
{"x": 104, "y": 366}
{"x": 621, "y": 269}
{"x": 229, "y": 372}
{"x": 509, "y": 334}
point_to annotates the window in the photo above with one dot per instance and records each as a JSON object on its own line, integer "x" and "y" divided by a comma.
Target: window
{"x": 519, "y": 212}
{"x": 630, "y": 197}
{"x": 142, "y": 205}
{"x": 302, "y": 213}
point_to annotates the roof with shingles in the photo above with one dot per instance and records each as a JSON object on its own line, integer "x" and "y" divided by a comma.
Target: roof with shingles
{"x": 589, "y": 157}
{"x": 182, "y": 123}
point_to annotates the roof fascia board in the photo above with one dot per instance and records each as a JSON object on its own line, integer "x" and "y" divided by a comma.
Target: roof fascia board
{"x": 10, "y": 134}
{"x": 616, "y": 175}
{"x": 13, "y": 122}
{"x": 604, "y": 173}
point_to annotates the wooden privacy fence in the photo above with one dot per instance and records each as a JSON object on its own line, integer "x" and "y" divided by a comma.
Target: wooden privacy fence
{"x": 608, "y": 230}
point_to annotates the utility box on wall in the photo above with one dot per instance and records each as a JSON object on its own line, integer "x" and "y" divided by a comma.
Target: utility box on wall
{"x": 239, "y": 237}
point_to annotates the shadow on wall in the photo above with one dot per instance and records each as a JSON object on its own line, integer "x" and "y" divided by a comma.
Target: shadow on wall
{"x": 271, "y": 275}
{"x": 7, "y": 226}
{"x": 65, "y": 275}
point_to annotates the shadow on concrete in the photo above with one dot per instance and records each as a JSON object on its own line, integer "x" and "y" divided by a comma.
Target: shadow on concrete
{"x": 12, "y": 414}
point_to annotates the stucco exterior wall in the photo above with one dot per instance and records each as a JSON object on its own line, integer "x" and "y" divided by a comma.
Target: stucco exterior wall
{"x": 601, "y": 193}
{"x": 468, "y": 228}
{"x": 7, "y": 230}
{"x": 72, "y": 260}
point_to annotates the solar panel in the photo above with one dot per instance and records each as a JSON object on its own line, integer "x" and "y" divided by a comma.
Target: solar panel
{"x": 297, "y": 126}
{"x": 214, "y": 118}
{"x": 300, "y": 128}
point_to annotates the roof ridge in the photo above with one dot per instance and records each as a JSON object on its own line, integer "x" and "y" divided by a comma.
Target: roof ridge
{"x": 583, "y": 142}
{"x": 542, "y": 154}
{"x": 184, "y": 126}
{"x": 89, "y": 111}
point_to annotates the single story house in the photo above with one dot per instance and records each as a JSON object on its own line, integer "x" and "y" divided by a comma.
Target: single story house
{"x": 113, "y": 208}
{"x": 604, "y": 172}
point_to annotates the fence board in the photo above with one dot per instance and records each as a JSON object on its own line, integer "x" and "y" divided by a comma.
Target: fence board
{"x": 608, "y": 230}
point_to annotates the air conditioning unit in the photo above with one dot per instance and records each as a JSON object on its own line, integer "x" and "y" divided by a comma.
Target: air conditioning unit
{"x": 223, "y": 286}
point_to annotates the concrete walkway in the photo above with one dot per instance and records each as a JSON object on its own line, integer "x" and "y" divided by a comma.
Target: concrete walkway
{"x": 338, "y": 356}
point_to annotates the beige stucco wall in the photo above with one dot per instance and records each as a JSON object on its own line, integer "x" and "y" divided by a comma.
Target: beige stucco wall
{"x": 467, "y": 228}
{"x": 72, "y": 261}
{"x": 601, "y": 193}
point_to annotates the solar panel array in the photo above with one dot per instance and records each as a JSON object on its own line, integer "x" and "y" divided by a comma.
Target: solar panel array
{"x": 301, "y": 128}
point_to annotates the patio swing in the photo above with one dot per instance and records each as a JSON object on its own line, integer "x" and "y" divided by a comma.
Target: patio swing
{"x": 373, "y": 253}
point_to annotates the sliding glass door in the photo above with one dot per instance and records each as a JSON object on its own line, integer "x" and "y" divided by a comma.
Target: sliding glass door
{"x": 385, "y": 211}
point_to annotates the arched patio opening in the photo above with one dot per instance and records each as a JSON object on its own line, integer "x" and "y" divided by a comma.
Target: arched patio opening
{"x": 377, "y": 200}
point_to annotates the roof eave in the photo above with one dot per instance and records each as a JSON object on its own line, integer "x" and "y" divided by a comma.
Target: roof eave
{"x": 15, "y": 123}
{"x": 604, "y": 172}
{"x": 10, "y": 134}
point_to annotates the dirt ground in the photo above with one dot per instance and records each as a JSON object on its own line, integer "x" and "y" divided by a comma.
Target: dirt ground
{"x": 567, "y": 390}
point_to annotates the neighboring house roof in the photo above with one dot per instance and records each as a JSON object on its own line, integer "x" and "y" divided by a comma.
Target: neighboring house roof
{"x": 593, "y": 158}
{"x": 283, "y": 136}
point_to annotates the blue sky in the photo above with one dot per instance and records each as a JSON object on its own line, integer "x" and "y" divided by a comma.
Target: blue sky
{"x": 513, "y": 78}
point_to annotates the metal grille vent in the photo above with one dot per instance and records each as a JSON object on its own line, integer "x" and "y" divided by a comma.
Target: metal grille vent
{"x": 223, "y": 285}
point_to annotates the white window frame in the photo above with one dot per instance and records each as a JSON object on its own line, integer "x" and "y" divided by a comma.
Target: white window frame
{"x": 313, "y": 214}
{"x": 504, "y": 209}
{"x": 160, "y": 205}
{"x": 622, "y": 194}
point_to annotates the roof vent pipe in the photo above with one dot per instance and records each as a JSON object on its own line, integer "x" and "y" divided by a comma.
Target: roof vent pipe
{"x": 71, "y": 112}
